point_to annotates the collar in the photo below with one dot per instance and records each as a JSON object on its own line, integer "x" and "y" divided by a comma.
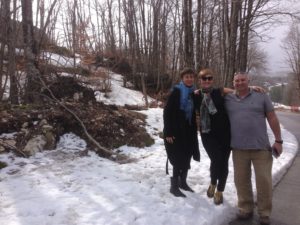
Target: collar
{"x": 243, "y": 97}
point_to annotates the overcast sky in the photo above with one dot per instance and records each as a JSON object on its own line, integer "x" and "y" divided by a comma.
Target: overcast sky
{"x": 276, "y": 55}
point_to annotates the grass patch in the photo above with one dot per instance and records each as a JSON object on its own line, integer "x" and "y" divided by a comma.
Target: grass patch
{"x": 2, "y": 165}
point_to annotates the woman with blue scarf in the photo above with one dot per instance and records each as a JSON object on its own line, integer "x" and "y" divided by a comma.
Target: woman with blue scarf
{"x": 180, "y": 131}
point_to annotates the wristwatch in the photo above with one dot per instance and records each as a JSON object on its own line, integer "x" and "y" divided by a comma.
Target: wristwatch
{"x": 279, "y": 141}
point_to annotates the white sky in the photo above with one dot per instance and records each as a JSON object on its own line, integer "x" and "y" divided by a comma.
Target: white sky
{"x": 60, "y": 187}
{"x": 276, "y": 55}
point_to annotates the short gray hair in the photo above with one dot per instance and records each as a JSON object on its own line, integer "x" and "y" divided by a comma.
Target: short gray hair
{"x": 240, "y": 73}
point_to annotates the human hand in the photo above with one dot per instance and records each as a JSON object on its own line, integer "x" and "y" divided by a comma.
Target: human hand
{"x": 258, "y": 89}
{"x": 277, "y": 149}
{"x": 197, "y": 92}
{"x": 170, "y": 139}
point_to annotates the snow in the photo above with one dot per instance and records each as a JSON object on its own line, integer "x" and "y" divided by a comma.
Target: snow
{"x": 120, "y": 95}
{"x": 279, "y": 106}
{"x": 59, "y": 60}
{"x": 68, "y": 186}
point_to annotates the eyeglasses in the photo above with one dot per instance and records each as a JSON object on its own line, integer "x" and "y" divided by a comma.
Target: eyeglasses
{"x": 205, "y": 78}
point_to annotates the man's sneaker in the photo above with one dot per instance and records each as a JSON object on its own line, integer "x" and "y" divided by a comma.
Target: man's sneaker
{"x": 264, "y": 220}
{"x": 218, "y": 198}
{"x": 211, "y": 191}
{"x": 244, "y": 215}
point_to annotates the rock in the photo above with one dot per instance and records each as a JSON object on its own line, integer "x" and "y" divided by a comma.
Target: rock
{"x": 7, "y": 144}
{"x": 77, "y": 96}
{"x": 50, "y": 141}
{"x": 34, "y": 145}
{"x": 11, "y": 143}
{"x": 25, "y": 125}
{"x": 24, "y": 131}
{"x": 49, "y": 136}
{"x": 43, "y": 122}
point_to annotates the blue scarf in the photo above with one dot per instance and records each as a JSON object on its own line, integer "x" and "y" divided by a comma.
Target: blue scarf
{"x": 186, "y": 101}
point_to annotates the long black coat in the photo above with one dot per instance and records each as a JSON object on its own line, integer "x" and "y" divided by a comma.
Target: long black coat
{"x": 185, "y": 145}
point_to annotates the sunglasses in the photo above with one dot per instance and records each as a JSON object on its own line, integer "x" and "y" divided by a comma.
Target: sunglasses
{"x": 205, "y": 78}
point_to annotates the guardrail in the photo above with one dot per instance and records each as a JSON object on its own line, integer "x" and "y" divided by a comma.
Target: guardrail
{"x": 295, "y": 108}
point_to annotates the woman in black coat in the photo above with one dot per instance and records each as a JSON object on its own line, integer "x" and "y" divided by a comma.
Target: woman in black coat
{"x": 180, "y": 131}
{"x": 215, "y": 132}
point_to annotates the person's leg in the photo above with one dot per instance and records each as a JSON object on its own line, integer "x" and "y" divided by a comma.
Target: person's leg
{"x": 175, "y": 183}
{"x": 183, "y": 184}
{"x": 222, "y": 173}
{"x": 210, "y": 148}
{"x": 262, "y": 163}
{"x": 176, "y": 172}
{"x": 223, "y": 169}
{"x": 242, "y": 179}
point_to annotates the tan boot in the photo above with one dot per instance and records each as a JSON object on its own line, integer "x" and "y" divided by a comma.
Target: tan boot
{"x": 211, "y": 190}
{"x": 218, "y": 198}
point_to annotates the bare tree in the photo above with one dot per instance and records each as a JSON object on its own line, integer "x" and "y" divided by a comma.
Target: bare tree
{"x": 188, "y": 33}
{"x": 44, "y": 23}
{"x": 11, "y": 35}
{"x": 110, "y": 27}
{"x": 3, "y": 42}
{"x": 292, "y": 50}
{"x": 32, "y": 86}
{"x": 156, "y": 37}
{"x": 232, "y": 35}
{"x": 256, "y": 60}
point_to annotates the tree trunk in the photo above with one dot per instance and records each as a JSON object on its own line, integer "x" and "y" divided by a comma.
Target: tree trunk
{"x": 144, "y": 90}
{"x": 244, "y": 37}
{"x": 3, "y": 25}
{"x": 11, "y": 34}
{"x": 32, "y": 85}
{"x": 209, "y": 53}
{"x": 198, "y": 36}
{"x": 233, "y": 29}
{"x": 188, "y": 34}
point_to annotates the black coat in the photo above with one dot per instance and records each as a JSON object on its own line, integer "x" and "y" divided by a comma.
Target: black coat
{"x": 185, "y": 145}
{"x": 220, "y": 126}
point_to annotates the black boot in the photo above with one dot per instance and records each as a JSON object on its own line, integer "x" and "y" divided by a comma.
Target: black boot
{"x": 175, "y": 189}
{"x": 182, "y": 184}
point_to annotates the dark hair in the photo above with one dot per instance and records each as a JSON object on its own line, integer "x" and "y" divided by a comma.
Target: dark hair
{"x": 187, "y": 71}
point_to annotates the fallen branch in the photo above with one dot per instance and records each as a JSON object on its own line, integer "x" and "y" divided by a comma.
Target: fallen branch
{"x": 11, "y": 147}
{"x": 104, "y": 152}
